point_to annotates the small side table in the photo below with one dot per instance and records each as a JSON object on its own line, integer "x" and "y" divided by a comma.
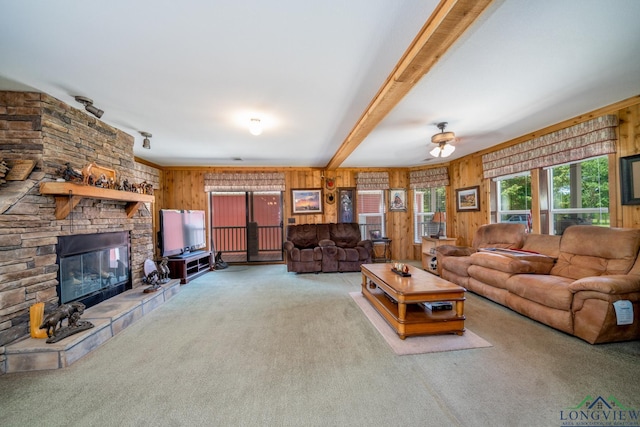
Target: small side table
{"x": 386, "y": 250}
{"x": 429, "y": 245}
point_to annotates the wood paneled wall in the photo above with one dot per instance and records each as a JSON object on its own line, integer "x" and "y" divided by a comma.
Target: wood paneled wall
{"x": 628, "y": 145}
{"x": 183, "y": 188}
{"x": 399, "y": 224}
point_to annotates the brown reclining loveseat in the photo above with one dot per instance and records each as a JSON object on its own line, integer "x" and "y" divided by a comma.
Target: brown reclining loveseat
{"x": 313, "y": 248}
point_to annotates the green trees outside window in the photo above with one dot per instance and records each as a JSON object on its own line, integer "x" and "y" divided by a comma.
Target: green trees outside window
{"x": 580, "y": 194}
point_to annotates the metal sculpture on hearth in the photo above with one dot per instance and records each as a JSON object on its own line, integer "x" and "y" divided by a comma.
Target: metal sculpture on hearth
{"x": 52, "y": 322}
{"x": 163, "y": 270}
{"x": 152, "y": 277}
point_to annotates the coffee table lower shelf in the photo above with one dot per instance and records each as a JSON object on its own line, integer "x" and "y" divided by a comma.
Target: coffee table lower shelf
{"x": 418, "y": 320}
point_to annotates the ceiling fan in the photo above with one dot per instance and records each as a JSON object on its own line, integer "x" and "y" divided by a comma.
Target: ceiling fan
{"x": 443, "y": 139}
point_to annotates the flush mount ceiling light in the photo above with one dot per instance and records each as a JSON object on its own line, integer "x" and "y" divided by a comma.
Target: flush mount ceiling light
{"x": 146, "y": 142}
{"x": 255, "y": 126}
{"x": 88, "y": 105}
{"x": 444, "y": 149}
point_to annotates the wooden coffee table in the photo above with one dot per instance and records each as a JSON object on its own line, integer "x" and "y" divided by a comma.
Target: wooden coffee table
{"x": 400, "y": 300}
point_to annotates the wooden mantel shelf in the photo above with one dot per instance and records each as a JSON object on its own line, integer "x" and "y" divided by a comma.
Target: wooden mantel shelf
{"x": 68, "y": 195}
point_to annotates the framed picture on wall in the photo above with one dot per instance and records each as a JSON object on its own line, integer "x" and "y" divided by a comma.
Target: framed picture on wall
{"x": 468, "y": 199}
{"x": 397, "y": 200}
{"x": 306, "y": 201}
{"x": 630, "y": 180}
{"x": 347, "y": 205}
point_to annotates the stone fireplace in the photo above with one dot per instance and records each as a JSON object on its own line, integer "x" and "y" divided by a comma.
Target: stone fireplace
{"x": 93, "y": 267}
{"x": 33, "y": 236}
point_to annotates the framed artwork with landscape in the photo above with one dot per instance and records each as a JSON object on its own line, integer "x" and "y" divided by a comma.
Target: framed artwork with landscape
{"x": 468, "y": 199}
{"x": 306, "y": 201}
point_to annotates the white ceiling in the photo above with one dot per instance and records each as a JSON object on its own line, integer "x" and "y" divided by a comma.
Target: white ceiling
{"x": 194, "y": 72}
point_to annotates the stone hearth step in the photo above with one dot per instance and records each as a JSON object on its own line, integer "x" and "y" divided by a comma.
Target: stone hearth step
{"x": 109, "y": 318}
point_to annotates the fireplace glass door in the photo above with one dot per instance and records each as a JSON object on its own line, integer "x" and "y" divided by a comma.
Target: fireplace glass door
{"x": 100, "y": 272}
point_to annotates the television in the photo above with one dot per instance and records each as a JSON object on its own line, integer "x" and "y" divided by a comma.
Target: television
{"x": 181, "y": 232}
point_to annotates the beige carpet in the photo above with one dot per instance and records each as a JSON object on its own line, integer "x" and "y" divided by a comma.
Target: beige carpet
{"x": 421, "y": 344}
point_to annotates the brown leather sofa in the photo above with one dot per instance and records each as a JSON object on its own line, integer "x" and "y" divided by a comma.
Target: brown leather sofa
{"x": 312, "y": 248}
{"x": 568, "y": 282}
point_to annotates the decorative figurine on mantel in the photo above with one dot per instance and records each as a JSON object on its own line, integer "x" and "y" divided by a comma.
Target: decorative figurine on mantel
{"x": 70, "y": 174}
{"x": 53, "y": 322}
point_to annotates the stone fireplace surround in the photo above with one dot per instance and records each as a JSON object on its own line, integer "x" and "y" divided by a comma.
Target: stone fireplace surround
{"x": 39, "y": 127}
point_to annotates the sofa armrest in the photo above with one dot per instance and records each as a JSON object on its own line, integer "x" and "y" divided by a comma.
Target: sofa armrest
{"x": 613, "y": 284}
{"x": 451, "y": 250}
{"x": 367, "y": 244}
{"x": 326, "y": 242}
{"x": 288, "y": 245}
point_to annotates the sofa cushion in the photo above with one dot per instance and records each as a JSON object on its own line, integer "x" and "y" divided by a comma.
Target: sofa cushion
{"x": 587, "y": 250}
{"x": 303, "y": 235}
{"x": 451, "y": 250}
{"x": 455, "y": 278}
{"x": 545, "y": 244}
{"x": 489, "y": 276}
{"x": 501, "y": 235}
{"x": 559, "y": 319}
{"x": 322, "y": 231}
{"x": 514, "y": 263}
{"x": 345, "y": 235}
{"x": 308, "y": 255}
{"x": 458, "y": 265}
{"x": 348, "y": 254}
{"x": 496, "y": 294}
{"x": 550, "y": 291}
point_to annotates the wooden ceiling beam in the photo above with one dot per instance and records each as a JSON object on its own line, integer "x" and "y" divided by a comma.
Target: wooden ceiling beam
{"x": 447, "y": 23}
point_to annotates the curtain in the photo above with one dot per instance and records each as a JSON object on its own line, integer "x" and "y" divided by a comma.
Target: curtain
{"x": 257, "y": 181}
{"x": 429, "y": 178}
{"x": 372, "y": 181}
{"x": 595, "y": 137}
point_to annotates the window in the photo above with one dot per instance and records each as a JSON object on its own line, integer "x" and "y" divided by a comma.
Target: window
{"x": 371, "y": 213}
{"x": 427, "y": 202}
{"x": 514, "y": 199}
{"x": 579, "y": 194}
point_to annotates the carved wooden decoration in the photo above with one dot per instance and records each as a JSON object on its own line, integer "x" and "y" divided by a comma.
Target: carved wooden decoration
{"x": 19, "y": 169}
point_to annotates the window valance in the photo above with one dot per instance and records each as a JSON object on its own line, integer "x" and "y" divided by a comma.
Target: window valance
{"x": 239, "y": 181}
{"x": 595, "y": 137}
{"x": 372, "y": 181}
{"x": 429, "y": 178}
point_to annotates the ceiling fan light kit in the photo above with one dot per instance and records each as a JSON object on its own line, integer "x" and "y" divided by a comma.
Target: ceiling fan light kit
{"x": 442, "y": 139}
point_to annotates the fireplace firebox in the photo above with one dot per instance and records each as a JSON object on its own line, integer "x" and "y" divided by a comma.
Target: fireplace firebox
{"x": 93, "y": 267}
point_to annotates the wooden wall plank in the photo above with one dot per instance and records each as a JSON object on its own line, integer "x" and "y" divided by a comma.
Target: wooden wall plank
{"x": 628, "y": 145}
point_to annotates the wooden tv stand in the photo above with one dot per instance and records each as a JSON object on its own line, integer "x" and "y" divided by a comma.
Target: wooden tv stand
{"x": 189, "y": 266}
